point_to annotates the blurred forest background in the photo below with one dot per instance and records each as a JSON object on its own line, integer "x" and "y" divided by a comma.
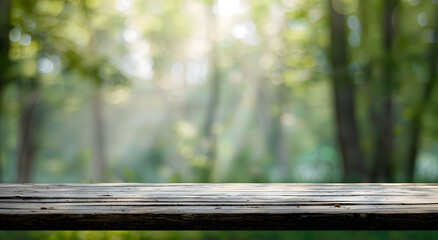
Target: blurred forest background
{"x": 218, "y": 91}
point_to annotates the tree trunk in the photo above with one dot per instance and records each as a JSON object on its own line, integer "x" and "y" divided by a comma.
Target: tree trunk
{"x": 29, "y": 123}
{"x": 5, "y": 25}
{"x": 415, "y": 132}
{"x": 276, "y": 140}
{"x": 344, "y": 100}
{"x": 209, "y": 137}
{"x": 99, "y": 138}
{"x": 382, "y": 164}
{"x": 99, "y": 160}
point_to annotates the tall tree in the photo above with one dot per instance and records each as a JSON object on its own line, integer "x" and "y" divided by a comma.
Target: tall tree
{"x": 344, "y": 100}
{"x": 5, "y": 6}
{"x": 415, "y": 131}
{"x": 209, "y": 137}
{"x": 28, "y": 128}
{"x": 384, "y": 122}
{"x": 272, "y": 99}
{"x": 30, "y": 101}
{"x": 99, "y": 138}
{"x": 277, "y": 136}
{"x": 99, "y": 161}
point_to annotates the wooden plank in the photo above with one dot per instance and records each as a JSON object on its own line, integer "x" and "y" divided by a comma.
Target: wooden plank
{"x": 218, "y": 206}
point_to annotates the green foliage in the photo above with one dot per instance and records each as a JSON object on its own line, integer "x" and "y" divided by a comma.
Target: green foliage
{"x": 151, "y": 60}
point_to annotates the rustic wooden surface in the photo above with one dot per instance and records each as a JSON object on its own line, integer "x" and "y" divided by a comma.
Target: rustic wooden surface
{"x": 218, "y": 206}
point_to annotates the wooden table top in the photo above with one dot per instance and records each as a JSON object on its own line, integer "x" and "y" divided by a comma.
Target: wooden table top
{"x": 241, "y": 206}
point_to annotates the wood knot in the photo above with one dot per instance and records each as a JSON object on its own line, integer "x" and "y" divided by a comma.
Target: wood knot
{"x": 46, "y": 208}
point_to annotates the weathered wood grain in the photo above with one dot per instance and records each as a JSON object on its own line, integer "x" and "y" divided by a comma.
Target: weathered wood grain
{"x": 218, "y": 206}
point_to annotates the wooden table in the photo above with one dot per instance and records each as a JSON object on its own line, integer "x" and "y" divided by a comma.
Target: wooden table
{"x": 218, "y": 206}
